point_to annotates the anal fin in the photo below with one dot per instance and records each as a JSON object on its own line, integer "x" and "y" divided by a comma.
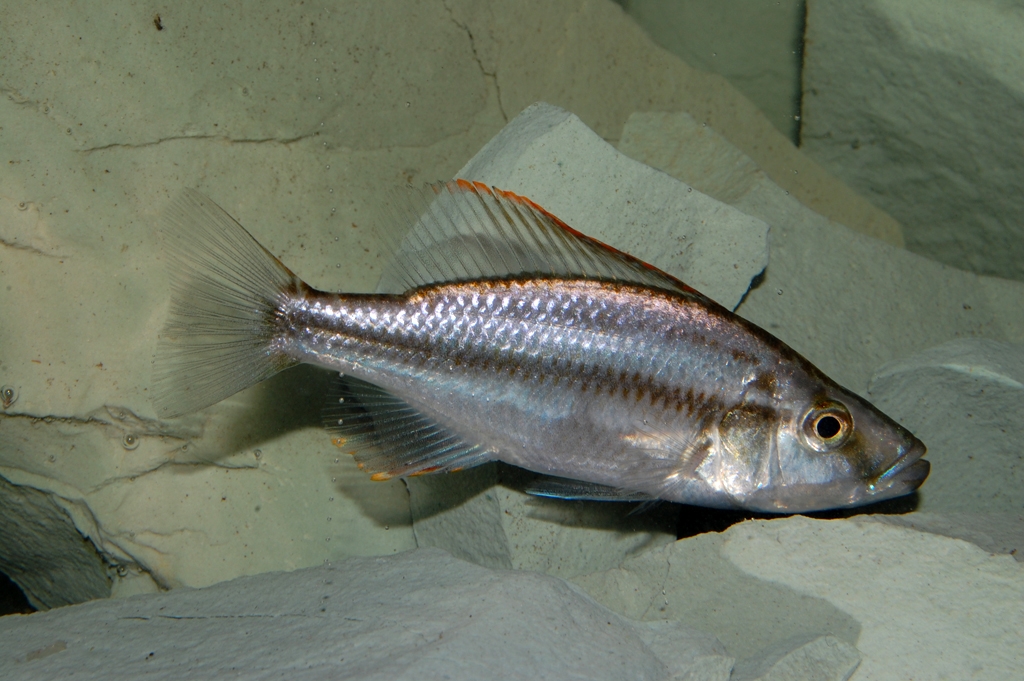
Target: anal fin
{"x": 390, "y": 438}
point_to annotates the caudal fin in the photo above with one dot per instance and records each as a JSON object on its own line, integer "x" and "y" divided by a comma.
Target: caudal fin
{"x": 226, "y": 291}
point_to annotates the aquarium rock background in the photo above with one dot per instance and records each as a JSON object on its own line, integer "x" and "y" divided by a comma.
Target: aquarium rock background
{"x": 886, "y": 247}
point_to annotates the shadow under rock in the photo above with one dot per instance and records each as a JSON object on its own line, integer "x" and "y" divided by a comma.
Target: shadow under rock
{"x": 12, "y": 598}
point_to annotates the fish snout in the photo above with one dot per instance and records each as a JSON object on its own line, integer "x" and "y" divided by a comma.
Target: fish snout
{"x": 907, "y": 473}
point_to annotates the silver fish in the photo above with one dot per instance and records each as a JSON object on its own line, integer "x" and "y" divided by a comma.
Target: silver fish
{"x": 500, "y": 333}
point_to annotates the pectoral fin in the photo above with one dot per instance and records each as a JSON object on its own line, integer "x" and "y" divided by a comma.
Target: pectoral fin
{"x": 578, "y": 490}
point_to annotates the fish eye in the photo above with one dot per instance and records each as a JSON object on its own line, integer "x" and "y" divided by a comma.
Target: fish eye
{"x": 827, "y": 426}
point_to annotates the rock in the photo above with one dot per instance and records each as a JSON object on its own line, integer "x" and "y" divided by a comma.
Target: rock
{"x": 968, "y": 396}
{"x": 692, "y": 582}
{"x": 483, "y": 516}
{"x": 540, "y": 56}
{"x": 421, "y": 614}
{"x": 914, "y": 604}
{"x": 155, "y": 507}
{"x": 847, "y": 302}
{"x": 916, "y": 106}
{"x": 826, "y": 658}
{"x": 752, "y": 43}
{"x": 694, "y": 152}
{"x": 44, "y": 553}
{"x": 965, "y": 400}
{"x": 700, "y": 655}
{"x": 928, "y": 606}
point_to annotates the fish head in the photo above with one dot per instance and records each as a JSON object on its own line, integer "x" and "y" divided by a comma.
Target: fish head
{"x": 816, "y": 446}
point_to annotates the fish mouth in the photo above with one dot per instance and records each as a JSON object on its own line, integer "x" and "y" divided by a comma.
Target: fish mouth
{"x": 906, "y": 474}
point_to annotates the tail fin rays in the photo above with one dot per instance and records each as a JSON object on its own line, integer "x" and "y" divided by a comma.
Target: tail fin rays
{"x": 226, "y": 293}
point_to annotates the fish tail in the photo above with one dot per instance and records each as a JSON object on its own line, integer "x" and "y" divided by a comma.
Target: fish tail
{"x": 227, "y": 292}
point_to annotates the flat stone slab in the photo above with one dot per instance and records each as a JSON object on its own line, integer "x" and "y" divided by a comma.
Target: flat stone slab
{"x": 484, "y": 516}
{"x": 912, "y": 604}
{"x": 825, "y": 658}
{"x": 968, "y": 396}
{"x": 929, "y": 606}
{"x": 417, "y": 615}
{"x": 678, "y": 143}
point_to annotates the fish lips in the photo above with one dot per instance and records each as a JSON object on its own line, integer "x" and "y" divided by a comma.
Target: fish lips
{"x": 905, "y": 475}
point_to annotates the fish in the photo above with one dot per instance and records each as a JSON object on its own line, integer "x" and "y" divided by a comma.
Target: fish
{"x": 500, "y": 333}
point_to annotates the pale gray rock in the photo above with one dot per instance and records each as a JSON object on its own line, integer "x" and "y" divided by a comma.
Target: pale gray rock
{"x": 929, "y": 607}
{"x": 846, "y": 301}
{"x": 461, "y": 513}
{"x": 965, "y": 400}
{"x": 968, "y": 396}
{"x": 910, "y": 604}
{"x": 483, "y": 516}
{"x": 417, "y": 615}
{"x": 917, "y": 106}
{"x": 752, "y": 43}
{"x": 692, "y": 655}
{"x": 711, "y": 161}
{"x": 693, "y": 583}
{"x": 826, "y": 658}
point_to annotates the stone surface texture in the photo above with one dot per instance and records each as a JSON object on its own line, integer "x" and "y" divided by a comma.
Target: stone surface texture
{"x": 965, "y": 399}
{"x": 826, "y": 658}
{"x": 929, "y": 607}
{"x": 916, "y": 105}
{"x": 44, "y": 553}
{"x": 483, "y": 516}
{"x": 915, "y": 605}
{"x": 418, "y": 615}
{"x": 756, "y": 45}
{"x": 675, "y": 139}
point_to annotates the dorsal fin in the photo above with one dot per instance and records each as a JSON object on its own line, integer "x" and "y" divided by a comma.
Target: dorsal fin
{"x": 390, "y": 438}
{"x": 464, "y": 230}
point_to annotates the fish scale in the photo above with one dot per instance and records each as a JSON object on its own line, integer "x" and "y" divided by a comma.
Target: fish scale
{"x": 413, "y": 360}
{"x": 589, "y": 345}
{"x": 517, "y": 338}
